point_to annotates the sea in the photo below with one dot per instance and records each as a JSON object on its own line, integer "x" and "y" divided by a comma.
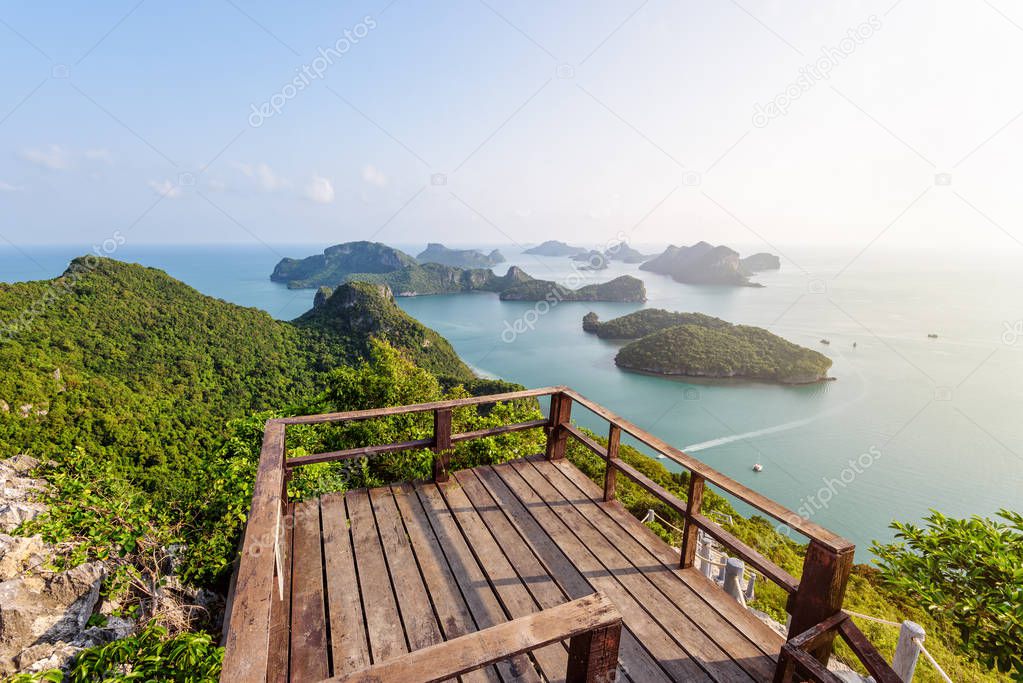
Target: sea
{"x": 912, "y": 422}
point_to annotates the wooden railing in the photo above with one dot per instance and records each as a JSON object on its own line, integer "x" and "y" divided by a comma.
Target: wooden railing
{"x": 253, "y": 632}
{"x": 592, "y": 625}
{"x": 796, "y": 663}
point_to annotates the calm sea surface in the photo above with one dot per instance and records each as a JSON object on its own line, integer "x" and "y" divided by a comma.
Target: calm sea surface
{"x": 926, "y": 423}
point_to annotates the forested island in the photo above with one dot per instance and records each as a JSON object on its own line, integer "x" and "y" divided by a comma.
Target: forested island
{"x": 706, "y": 264}
{"x": 696, "y": 345}
{"x": 459, "y": 258}
{"x": 622, "y": 289}
{"x": 555, "y": 248}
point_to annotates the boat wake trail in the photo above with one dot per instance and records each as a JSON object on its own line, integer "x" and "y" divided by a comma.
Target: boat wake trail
{"x": 784, "y": 426}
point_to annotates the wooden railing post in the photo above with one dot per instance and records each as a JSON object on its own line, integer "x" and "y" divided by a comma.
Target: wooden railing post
{"x": 441, "y": 443}
{"x": 820, "y": 593}
{"x": 614, "y": 437}
{"x": 690, "y": 532}
{"x": 557, "y": 437}
{"x": 593, "y": 656}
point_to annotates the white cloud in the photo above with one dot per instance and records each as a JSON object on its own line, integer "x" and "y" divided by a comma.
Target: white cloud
{"x": 374, "y": 176}
{"x": 7, "y": 187}
{"x": 53, "y": 157}
{"x": 320, "y": 190}
{"x": 264, "y": 176}
{"x": 99, "y": 154}
{"x": 165, "y": 188}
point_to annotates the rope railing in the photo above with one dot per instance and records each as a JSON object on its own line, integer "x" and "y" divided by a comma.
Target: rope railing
{"x": 937, "y": 667}
{"x": 917, "y": 640}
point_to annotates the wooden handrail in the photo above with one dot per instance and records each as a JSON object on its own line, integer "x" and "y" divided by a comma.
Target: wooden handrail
{"x": 813, "y": 599}
{"x": 356, "y": 415}
{"x": 779, "y": 512}
{"x": 591, "y": 624}
{"x": 797, "y": 661}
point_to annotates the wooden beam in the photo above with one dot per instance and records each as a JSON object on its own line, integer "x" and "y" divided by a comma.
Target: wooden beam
{"x": 248, "y": 636}
{"x": 474, "y": 651}
{"x": 365, "y": 452}
{"x": 356, "y": 415}
{"x": 614, "y": 437}
{"x": 690, "y": 532}
{"x": 581, "y": 437}
{"x": 593, "y": 655}
{"x": 659, "y": 492}
{"x": 496, "y": 431}
{"x": 441, "y": 443}
{"x": 557, "y": 435}
{"x": 872, "y": 660}
{"x": 820, "y": 594}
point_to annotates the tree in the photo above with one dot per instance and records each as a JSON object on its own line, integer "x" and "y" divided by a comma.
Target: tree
{"x": 968, "y": 572}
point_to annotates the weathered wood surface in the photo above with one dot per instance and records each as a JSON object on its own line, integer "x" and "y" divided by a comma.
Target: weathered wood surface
{"x": 410, "y": 567}
{"x": 592, "y": 624}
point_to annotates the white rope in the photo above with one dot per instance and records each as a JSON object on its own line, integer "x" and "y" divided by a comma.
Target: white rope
{"x": 937, "y": 667}
{"x": 870, "y": 618}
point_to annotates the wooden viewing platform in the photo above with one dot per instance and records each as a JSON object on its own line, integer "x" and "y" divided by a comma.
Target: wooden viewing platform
{"x": 525, "y": 571}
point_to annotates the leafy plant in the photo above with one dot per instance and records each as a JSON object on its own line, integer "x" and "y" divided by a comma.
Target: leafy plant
{"x": 968, "y": 572}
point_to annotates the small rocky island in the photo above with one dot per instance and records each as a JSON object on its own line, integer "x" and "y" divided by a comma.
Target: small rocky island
{"x": 459, "y": 258}
{"x": 697, "y": 345}
{"x": 625, "y": 289}
{"x": 706, "y": 264}
{"x": 555, "y": 248}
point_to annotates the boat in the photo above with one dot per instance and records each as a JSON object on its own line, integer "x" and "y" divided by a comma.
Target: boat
{"x": 825, "y": 341}
{"x": 932, "y": 336}
{"x": 757, "y": 467}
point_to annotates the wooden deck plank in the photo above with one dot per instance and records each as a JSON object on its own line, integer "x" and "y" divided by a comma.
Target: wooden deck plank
{"x": 699, "y": 645}
{"x": 728, "y": 635}
{"x": 421, "y": 628}
{"x": 542, "y": 560}
{"x": 471, "y": 580}
{"x": 765, "y": 638}
{"x": 280, "y": 609}
{"x": 308, "y": 621}
{"x": 675, "y": 661}
{"x": 516, "y": 600}
{"x": 348, "y": 642}
{"x": 453, "y": 613}
{"x": 383, "y": 623}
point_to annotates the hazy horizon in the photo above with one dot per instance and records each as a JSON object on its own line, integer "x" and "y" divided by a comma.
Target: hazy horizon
{"x": 865, "y": 123}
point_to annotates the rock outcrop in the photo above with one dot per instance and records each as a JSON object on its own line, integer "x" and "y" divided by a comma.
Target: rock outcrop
{"x": 44, "y": 613}
{"x": 706, "y": 264}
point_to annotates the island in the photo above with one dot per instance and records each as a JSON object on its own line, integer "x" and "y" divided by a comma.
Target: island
{"x": 555, "y": 248}
{"x": 460, "y": 258}
{"x": 707, "y": 347}
{"x": 644, "y": 322}
{"x": 626, "y": 289}
{"x": 706, "y": 264}
{"x": 378, "y": 263}
{"x": 759, "y": 262}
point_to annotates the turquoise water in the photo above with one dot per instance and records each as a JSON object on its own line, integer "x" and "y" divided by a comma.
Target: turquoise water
{"x": 926, "y": 422}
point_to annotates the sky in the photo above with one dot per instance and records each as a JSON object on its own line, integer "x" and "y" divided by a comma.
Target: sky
{"x": 484, "y": 122}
